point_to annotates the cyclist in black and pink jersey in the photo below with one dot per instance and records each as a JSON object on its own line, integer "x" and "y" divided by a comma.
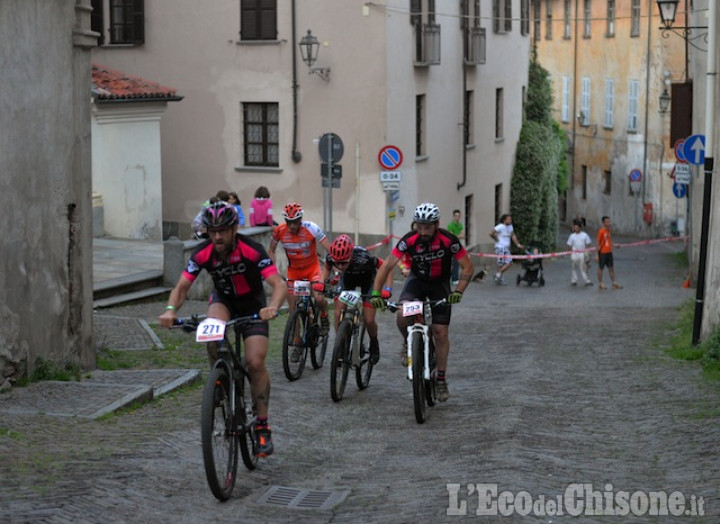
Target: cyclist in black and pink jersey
{"x": 430, "y": 250}
{"x": 238, "y": 266}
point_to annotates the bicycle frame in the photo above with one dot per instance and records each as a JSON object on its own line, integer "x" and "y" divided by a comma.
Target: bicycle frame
{"x": 350, "y": 299}
{"x": 422, "y": 315}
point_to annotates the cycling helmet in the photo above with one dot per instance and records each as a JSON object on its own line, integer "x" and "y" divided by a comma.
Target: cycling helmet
{"x": 341, "y": 249}
{"x": 220, "y": 214}
{"x": 426, "y": 213}
{"x": 292, "y": 211}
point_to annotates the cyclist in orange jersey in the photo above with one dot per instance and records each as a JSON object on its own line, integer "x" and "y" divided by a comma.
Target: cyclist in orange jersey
{"x": 300, "y": 238}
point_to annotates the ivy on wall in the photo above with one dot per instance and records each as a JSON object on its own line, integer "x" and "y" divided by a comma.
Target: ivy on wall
{"x": 541, "y": 169}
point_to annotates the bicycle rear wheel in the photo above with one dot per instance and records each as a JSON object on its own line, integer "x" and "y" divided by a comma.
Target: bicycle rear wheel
{"x": 418, "y": 382}
{"x": 340, "y": 365}
{"x": 364, "y": 370}
{"x": 218, "y": 428}
{"x": 294, "y": 351}
{"x": 317, "y": 355}
{"x": 246, "y": 422}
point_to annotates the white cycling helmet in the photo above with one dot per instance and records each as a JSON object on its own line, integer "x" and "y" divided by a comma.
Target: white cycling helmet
{"x": 426, "y": 213}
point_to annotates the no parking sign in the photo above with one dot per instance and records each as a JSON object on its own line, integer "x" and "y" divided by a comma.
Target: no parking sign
{"x": 390, "y": 157}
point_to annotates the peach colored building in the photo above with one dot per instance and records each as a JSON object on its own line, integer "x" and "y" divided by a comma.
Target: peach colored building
{"x": 444, "y": 85}
{"x": 609, "y": 65}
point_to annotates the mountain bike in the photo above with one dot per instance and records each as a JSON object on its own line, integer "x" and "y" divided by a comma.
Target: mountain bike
{"x": 227, "y": 414}
{"x": 421, "y": 363}
{"x": 303, "y": 333}
{"x": 351, "y": 347}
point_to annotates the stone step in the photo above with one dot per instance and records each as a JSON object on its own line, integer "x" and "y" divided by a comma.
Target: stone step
{"x": 132, "y": 296}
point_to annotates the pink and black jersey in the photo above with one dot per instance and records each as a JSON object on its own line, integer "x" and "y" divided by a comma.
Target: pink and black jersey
{"x": 241, "y": 276}
{"x": 430, "y": 260}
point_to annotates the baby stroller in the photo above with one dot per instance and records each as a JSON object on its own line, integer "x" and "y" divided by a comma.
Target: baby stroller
{"x": 532, "y": 267}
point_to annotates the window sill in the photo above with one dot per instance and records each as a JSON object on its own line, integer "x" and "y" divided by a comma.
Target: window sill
{"x": 499, "y": 139}
{"x": 259, "y": 169}
{"x": 469, "y": 147}
{"x": 258, "y": 42}
{"x": 421, "y": 158}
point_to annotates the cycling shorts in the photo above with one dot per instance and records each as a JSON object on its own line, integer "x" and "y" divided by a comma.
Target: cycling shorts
{"x": 240, "y": 308}
{"x": 416, "y": 289}
{"x": 311, "y": 274}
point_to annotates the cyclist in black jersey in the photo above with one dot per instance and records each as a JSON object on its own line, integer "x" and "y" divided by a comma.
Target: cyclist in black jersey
{"x": 430, "y": 250}
{"x": 356, "y": 267}
{"x": 238, "y": 265}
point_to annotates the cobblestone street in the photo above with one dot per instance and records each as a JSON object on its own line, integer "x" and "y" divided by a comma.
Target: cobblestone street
{"x": 549, "y": 387}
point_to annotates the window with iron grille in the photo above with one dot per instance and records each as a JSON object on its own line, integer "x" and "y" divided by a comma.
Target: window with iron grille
{"x": 467, "y": 118}
{"x": 508, "y": 16}
{"x": 420, "y": 125}
{"x": 536, "y": 20}
{"x": 567, "y": 27}
{"x": 473, "y": 34}
{"x": 607, "y": 179}
{"x": 635, "y": 18}
{"x": 549, "y": 18}
{"x": 584, "y": 171}
{"x": 261, "y": 130}
{"x": 499, "y": 111}
{"x": 610, "y": 18}
{"x": 427, "y": 33}
{"x": 119, "y": 22}
{"x": 258, "y": 19}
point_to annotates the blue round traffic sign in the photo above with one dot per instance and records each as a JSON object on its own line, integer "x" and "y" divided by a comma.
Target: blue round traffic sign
{"x": 679, "y": 190}
{"x": 694, "y": 149}
{"x": 390, "y": 157}
{"x": 635, "y": 175}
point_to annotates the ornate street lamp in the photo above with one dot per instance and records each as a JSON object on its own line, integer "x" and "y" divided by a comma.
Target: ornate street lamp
{"x": 309, "y": 48}
{"x": 664, "y": 101}
{"x": 667, "y": 8}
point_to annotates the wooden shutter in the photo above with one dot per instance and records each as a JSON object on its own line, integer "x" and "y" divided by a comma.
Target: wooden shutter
{"x": 681, "y": 112}
{"x": 138, "y": 22}
{"x": 268, "y": 19}
{"x": 96, "y": 20}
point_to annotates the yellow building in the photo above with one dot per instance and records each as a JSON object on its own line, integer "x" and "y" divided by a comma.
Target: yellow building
{"x": 609, "y": 65}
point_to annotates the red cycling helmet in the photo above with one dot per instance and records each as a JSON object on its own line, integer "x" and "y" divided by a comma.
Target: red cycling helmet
{"x": 341, "y": 249}
{"x": 292, "y": 211}
{"x": 219, "y": 215}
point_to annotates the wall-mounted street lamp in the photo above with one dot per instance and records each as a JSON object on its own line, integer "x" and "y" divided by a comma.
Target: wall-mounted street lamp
{"x": 664, "y": 101}
{"x": 309, "y": 47}
{"x": 668, "y": 10}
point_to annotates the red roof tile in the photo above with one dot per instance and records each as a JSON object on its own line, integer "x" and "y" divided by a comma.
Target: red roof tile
{"x": 110, "y": 84}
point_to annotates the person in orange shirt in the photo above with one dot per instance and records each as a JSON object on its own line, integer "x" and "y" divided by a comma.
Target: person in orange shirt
{"x": 604, "y": 256}
{"x": 300, "y": 238}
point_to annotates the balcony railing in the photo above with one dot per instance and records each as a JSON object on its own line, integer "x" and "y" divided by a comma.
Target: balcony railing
{"x": 427, "y": 44}
{"x": 475, "y": 46}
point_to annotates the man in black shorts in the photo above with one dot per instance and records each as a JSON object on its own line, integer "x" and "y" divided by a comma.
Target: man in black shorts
{"x": 431, "y": 250}
{"x": 238, "y": 266}
{"x": 356, "y": 267}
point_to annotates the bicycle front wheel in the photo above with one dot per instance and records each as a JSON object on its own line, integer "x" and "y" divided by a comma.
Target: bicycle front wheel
{"x": 364, "y": 370}
{"x": 418, "y": 382}
{"x": 293, "y": 349}
{"x": 340, "y": 365}
{"x": 218, "y": 429}
{"x": 246, "y": 422}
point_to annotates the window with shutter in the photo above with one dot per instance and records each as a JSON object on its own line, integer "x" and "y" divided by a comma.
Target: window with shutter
{"x": 258, "y": 19}
{"x": 124, "y": 23}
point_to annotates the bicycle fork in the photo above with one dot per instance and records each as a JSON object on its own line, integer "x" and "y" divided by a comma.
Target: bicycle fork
{"x": 424, "y": 331}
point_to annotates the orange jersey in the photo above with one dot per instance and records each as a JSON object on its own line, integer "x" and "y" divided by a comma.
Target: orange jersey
{"x": 301, "y": 248}
{"x": 604, "y": 243}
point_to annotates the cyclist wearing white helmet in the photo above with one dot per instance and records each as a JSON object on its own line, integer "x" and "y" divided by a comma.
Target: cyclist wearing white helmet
{"x": 430, "y": 250}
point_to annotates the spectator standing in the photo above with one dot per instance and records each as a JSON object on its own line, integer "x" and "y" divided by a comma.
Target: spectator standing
{"x": 235, "y": 201}
{"x": 261, "y": 213}
{"x": 456, "y": 228}
{"x": 578, "y": 241}
{"x": 604, "y": 255}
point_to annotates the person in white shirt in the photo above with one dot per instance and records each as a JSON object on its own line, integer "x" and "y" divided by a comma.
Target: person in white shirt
{"x": 502, "y": 234}
{"x": 579, "y": 242}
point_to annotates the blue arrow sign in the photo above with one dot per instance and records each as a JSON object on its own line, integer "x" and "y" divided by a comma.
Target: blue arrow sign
{"x": 694, "y": 149}
{"x": 679, "y": 190}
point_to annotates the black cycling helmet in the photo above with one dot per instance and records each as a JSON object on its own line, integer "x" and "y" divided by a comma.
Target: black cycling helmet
{"x": 220, "y": 214}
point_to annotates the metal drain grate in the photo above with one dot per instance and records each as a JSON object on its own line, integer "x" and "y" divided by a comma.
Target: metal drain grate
{"x": 302, "y": 498}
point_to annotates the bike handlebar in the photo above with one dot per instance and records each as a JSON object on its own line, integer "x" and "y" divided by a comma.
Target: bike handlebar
{"x": 192, "y": 322}
{"x": 395, "y": 305}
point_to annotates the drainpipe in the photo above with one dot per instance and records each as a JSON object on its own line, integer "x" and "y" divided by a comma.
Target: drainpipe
{"x": 574, "y": 103}
{"x": 647, "y": 105}
{"x": 295, "y": 155}
{"x": 464, "y": 120}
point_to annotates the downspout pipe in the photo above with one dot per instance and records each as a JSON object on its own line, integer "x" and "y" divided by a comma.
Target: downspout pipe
{"x": 710, "y": 86}
{"x": 647, "y": 106}
{"x": 465, "y": 123}
{"x": 295, "y": 155}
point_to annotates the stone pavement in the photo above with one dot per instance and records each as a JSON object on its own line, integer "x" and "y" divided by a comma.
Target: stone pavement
{"x": 549, "y": 387}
